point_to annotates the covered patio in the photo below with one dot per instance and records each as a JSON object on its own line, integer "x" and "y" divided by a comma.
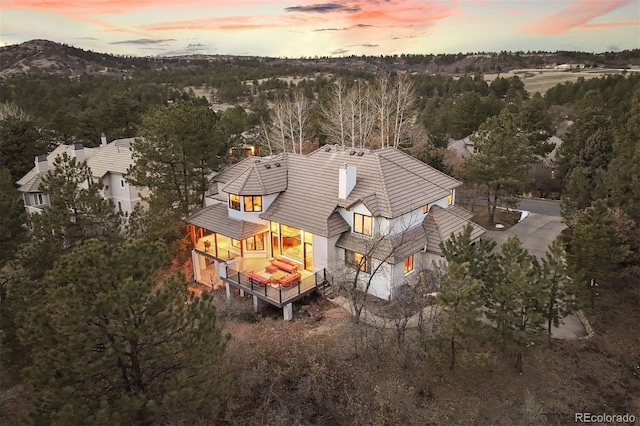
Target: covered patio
{"x": 217, "y": 238}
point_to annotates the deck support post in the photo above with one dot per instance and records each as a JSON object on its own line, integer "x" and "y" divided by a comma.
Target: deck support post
{"x": 287, "y": 311}
{"x": 258, "y": 303}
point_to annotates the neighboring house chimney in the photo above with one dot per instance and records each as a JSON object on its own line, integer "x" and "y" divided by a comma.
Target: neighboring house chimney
{"x": 78, "y": 152}
{"x": 42, "y": 165}
{"x": 103, "y": 139}
{"x": 346, "y": 181}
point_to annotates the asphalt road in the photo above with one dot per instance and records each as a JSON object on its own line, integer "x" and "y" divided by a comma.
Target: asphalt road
{"x": 533, "y": 205}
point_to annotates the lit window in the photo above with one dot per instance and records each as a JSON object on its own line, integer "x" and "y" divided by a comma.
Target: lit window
{"x": 425, "y": 209}
{"x": 408, "y": 264}
{"x": 234, "y": 201}
{"x": 450, "y": 198}
{"x": 235, "y": 243}
{"x": 253, "y": 203}
{"x": 357, "y": 260}
{"x": 362, "y": 224}
{"x": 255, "y": 243}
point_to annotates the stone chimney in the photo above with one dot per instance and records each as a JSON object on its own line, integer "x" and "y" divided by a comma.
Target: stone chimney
{"x": 42, "y": 165}
{"x": 346, "y": 181}
{"x": 77, "y": 151}
{"x": 103, "y": 139}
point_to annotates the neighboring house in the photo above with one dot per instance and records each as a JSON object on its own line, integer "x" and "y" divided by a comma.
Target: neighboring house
{"x": 280, "y": 227}
{"x": 108, "y": 162}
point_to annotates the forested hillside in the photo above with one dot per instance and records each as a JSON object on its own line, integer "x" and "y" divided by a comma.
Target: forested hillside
{"x": 97, "y": 324}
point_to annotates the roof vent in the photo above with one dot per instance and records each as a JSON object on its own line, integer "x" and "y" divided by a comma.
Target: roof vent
{"x": 327, "y": 149}
{"x": 277, "y": 164}
{"x": 361, "y": 153}
{"x": 257, "y": 161}
{"x": 352, "y": 153}
{"x": 267, "y": 166}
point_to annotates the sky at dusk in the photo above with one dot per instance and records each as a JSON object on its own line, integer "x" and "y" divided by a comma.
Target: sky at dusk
{"x": 307, "y": 28}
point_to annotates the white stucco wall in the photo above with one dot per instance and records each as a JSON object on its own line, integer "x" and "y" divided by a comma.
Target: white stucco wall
{"x": 251, "y": 216}
{"x": 347, "y": 215}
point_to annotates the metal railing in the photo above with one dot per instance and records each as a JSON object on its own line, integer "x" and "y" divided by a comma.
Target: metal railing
{"x": 273, "y": 291}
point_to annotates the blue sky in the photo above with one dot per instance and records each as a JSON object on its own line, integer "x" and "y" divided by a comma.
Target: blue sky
{"x": 307, "y": 28}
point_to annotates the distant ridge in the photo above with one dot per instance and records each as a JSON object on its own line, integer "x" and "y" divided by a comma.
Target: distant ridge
{"x": 48, "y": 57}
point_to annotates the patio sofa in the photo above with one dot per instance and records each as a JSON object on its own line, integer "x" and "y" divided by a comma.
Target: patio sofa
{"x": 257, "y": 279}
{"x": 290, "y": 280}
{"x": 285, "y": 264}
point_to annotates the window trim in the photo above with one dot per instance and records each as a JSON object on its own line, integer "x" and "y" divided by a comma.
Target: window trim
{"x": 353, "y": 259}
{"x": 252, "y": 201}
{"x": 233, "y": 201}
{"x": 255, "y": 243}
{"x": 409, "y": 264}
{"x": 359, "y": 222}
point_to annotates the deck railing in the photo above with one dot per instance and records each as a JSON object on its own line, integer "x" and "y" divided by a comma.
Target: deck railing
{"x": 272, "y": 292}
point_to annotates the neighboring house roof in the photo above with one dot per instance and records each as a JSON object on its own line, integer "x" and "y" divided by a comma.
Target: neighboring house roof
{"x": 31, "y": 181}
{"x": 115, "y": 157}
{"x": 441, "y": 223}
{"x": 216, "y": 218}
{"x": 389, "y": 182}
{"x": 262, "y": 176}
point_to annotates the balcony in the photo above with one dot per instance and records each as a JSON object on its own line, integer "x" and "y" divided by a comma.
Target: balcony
{"x": 223, "y": 250}
{"x": 272, "y": 292}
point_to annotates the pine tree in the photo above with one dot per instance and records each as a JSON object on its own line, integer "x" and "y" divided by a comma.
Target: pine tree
{"x": 460, "y": 298}
{"x": 77, "y": 212}
{"x": 556, "y": 284}
{"x": 479, "y": 256}
{"x": 502, "y": 161}
{"x": 112, "y": 342}
{"x": 515, "y": 298}
{"x": 178, "y": 147}
{"x": 595, "y": 252}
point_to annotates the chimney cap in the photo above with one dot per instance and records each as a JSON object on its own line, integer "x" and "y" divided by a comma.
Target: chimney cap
{"x": 41, "y": 158}
{"x": 77, "y": 147}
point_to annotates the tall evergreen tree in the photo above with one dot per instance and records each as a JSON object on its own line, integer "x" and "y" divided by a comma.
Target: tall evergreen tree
{"x": 178, "y": 147}
{"x": 12, "y": 219}
{"x": 556, "y": 284}
{"x": 595, "y": 251}
{"x": 112, "y": 342}
{"x": 502, "y": 160}
{"x": 515, "y": 298}
{"x": 460, "y": 298}
{"x": 77, "y": 212}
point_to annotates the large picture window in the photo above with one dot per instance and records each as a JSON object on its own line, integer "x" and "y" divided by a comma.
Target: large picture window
{"x": 234, "y": 201}
{"x": 357, "y": 260}
{"x": 253, "y": 203}
{"x": 362, "y": 224}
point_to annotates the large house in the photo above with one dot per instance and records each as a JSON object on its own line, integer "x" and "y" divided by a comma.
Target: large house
{"x": 108, "y": 162}
{"x": 280, "y": 227}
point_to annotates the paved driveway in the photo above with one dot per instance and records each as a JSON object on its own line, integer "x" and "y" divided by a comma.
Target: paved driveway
{"x": 536, "y": 232}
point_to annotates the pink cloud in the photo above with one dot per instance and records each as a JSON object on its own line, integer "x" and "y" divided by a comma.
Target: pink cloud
{"x": 612, "y": 25}
{"x": 575, "y": 14}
